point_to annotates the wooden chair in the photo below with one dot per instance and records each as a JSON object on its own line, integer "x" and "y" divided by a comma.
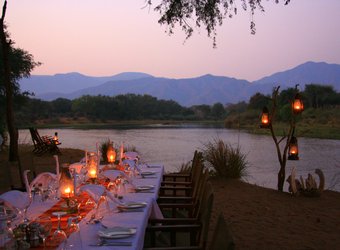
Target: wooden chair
{"x": 178, "y": 233}
{"x": 183, "y": 184}
{"x": 43, "y": 144}
{"x": 184, "y": 206}
{"x": 222, "y": 238}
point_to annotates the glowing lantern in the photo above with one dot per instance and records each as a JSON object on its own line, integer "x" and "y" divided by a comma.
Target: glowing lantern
{"x": 111, "y": 154}
{"x": 66, "y": 187}
{"x": 55, "y": 138}
{"x": 92, "y": 167}
{"x": 265, "y": 122}
{"x": 293, "y": 150}
{"x": 297, "y": 104}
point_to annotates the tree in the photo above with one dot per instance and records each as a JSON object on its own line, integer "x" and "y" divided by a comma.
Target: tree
{"x": 268, "y": 119}
{"x": 218, "y": 111}
{"x": 206, "y": 13}
{"x": 15, "y": 64}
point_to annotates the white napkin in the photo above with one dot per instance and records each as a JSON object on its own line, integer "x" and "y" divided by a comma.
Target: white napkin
{"x": 45, "y": 179}
{"x": 131, "y": 155}
{"x": 112, "y": 174}
{"x": 95, "y": 191}
{"x": 76, "y": 166}
{"x": 16, "y": 199}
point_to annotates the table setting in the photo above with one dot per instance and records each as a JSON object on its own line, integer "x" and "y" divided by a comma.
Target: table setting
{"x": 85, "y": 205}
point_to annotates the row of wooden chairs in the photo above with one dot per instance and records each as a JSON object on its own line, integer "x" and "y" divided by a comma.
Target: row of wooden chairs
{"x": 189, "y": 198}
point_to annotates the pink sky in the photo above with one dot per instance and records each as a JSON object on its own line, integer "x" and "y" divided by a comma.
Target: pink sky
{"x": 107, "y": 37}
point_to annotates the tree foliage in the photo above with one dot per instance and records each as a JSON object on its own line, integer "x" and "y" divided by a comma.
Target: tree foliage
{"x": 207, "y": 13}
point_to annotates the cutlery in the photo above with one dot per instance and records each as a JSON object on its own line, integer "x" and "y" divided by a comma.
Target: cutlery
{"x": 116, "y": 243}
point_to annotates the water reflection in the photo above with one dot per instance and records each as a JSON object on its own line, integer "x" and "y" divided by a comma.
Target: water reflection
{"x": 174, "y": 146}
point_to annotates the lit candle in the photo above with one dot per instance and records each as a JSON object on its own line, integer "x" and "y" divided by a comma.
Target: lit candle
{"x": 93, "y": 173}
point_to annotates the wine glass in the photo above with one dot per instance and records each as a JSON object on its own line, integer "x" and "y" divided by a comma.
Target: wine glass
{"x": 45, "y": 226}
{"x": 59, "y": 235}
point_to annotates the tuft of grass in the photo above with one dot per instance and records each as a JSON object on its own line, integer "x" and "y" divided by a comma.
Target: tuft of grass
{"x": 224, "y": 160}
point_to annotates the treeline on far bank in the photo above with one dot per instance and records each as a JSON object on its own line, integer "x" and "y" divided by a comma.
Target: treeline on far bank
{"x": 30, "y": 111}
{"x": 321, "y": 117}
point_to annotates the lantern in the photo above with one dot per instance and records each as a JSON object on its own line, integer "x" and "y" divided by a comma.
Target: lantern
{"x": 293, "y": 150}
{"x": 55, "y": 138}
{"x": 265, "y": 122}
{"x": 111, "y": 154}
{"x": 92, "y": 167}
{"x": 66, "y": 187}
{"x": 297, "y": 104}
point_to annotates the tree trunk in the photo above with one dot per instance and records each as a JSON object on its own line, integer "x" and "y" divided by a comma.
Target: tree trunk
{"x": 13, "y": 132}
{"x": 281, "y": 177}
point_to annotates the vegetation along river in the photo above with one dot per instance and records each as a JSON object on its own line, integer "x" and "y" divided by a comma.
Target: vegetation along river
{"x": 175, "y": 145}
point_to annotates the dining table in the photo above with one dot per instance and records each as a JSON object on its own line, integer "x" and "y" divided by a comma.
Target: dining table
{"x": 102, "y": 233}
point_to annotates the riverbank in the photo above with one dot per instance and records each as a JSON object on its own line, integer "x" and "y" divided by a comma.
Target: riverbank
{"x": 259, "y": 218}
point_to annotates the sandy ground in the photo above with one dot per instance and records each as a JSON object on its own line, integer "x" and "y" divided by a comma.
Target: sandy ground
{"x": 259, "y": 218}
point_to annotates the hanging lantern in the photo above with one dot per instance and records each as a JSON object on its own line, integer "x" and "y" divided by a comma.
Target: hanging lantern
{"x": 111, "y": 154}
{"x": 92, "y": 167}
{"x": 265, "y": 122}
{"x": 66, "y": 187}
{"x": 293, "y": 150}
{"x": 297, "y": 104}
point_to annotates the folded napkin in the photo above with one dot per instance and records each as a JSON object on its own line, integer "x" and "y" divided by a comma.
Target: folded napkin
{"x": 131, "y": 155}
{"x": 116, "y": 232}
{"x": 95, "y": 191}
{"x": 15, "y": 198}
{"x": 112, "y": 174}
{"x": 76, "y": 167}
{"x": 44, "y": 179}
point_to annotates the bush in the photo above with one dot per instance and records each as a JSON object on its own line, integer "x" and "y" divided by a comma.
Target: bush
{"x": 224, "y": 160}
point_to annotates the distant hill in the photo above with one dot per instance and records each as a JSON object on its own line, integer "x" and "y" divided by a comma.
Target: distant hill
{"x": 69, "y": 82}
{"x": 207, "y": 89}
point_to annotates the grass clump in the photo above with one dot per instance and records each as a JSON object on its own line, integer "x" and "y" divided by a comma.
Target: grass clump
{"x": 224, "y": 160}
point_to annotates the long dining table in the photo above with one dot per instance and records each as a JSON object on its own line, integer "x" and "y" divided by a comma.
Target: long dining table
{"x": 87, "y": 236}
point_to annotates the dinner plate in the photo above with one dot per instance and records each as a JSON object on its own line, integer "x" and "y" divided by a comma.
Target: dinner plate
{"x": 132, "y": 205}
{"x": 145, "y": 173}
{"x": 144, "y": 188}
{"x": 116, "y": 232}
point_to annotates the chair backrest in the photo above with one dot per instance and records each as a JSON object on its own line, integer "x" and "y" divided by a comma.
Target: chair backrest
{"x": 222, "y": 238}
{"x": 205, "y": 214}
{"x": 35, "y": 136}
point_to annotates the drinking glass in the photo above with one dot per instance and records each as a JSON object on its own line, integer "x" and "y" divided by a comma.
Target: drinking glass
{"x": 59, "y": 235}
{"x": 45, "y": 226}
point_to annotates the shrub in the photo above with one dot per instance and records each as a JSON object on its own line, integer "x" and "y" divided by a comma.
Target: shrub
{"x": 224, "y": 160}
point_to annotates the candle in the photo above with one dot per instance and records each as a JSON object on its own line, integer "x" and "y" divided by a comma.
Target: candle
{"x": 93, "y": 173}
{"x": 27, "y": 185}
{"x": 57, "y": 166}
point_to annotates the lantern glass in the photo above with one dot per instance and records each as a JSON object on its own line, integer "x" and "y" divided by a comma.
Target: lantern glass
{"x": 92, "y": 166}
{"x": 265, "y": 122}
{"x": 111, "y": 154}
{"x": 66, "y": 187}
{"x": 298, "y": 106}
{"x": 293, "y": 151}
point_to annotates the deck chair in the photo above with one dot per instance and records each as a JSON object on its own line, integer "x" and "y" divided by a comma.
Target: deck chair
{"x": 43, "y": 144}
{"x": 186, "y": 233}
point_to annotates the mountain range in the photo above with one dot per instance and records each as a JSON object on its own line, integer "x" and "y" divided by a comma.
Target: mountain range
{"x": 206, "y": 89}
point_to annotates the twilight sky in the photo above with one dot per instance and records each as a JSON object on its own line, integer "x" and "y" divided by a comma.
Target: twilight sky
{"x": 107, "y": 37}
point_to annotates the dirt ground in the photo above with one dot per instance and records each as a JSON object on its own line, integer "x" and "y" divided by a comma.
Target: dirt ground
{"x": 258, "y": 218}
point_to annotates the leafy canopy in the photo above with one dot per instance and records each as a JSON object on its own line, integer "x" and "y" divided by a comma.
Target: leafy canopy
{"x": 206, "y": 13}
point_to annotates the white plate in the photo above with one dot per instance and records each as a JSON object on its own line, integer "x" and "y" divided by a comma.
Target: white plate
{"x": 132, "y": 205}
{"x": 147, "y": 173}
{"x": 116, "y": 232}
{"x": 146, "y": 187}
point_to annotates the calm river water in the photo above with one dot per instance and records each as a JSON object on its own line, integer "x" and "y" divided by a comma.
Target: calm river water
{"x": 173, "y": 146}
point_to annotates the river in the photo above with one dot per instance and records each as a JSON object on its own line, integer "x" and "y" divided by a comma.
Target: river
{"x": 175, "y": 145}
